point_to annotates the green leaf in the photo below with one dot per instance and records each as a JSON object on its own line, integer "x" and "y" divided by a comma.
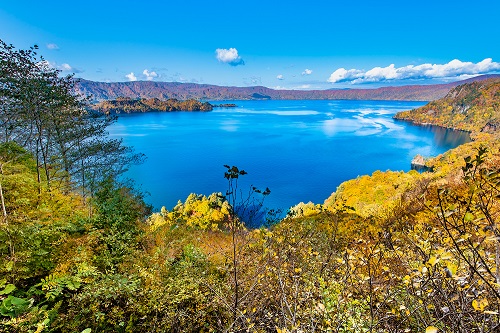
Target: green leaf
{"x": 87, "y": 330}
{"x": 14, "y": 306}
{"x": 8, "y": 289}
{"x": 9, "y": 266}
{"x": 18, "y": 302}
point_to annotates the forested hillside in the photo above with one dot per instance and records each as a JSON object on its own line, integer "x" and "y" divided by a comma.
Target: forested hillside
{"x": 473, "y": 107}
{"x": 81, "y": 252}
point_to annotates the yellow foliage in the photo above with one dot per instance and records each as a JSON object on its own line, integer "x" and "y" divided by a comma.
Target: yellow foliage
{"x": 371, "y": 195}
{"x": 480, "y": 304}
{"x": 431, "y": 329}
{"x": 305, "y": 209}
{"x": 199, "y": 211}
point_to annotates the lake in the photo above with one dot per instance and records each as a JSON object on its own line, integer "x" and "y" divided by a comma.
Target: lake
{"x": 301, "y": 150}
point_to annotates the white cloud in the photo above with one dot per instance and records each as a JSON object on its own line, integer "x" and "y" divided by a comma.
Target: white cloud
{"x": 52, "y": 46}
{"x": 131, "y": 76}
{"x": 301, "y": 87}
{"x": 66, "y": 68}
{"x": 280, "y": 77}
{"x": 454, "y": 68}
{"x": 150, "y": 76}
{"x": 229, "y": 56}
{"x": 307, "y": 72}
{"x": 343, "y": 75}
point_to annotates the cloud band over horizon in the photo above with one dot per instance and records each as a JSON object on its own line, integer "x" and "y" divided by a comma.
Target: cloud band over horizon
{"x": 453, "y": 68}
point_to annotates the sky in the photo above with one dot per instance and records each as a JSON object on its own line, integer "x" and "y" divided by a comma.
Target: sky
{"x": 278, "y": 44}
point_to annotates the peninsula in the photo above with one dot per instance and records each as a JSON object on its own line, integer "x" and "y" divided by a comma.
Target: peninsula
{"x": 472, "y": 107}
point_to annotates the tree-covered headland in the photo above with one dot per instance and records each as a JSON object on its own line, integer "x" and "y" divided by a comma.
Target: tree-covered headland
{"x": 82, "y": 252}
{"x": 128, "y": 105}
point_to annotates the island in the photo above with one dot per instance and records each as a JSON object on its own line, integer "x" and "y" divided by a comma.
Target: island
{"x": 135, "y": 105}
{"x": 129, "y": 105}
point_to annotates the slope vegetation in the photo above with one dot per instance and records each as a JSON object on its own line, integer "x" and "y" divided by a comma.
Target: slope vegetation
{"x": 473, "y": 107}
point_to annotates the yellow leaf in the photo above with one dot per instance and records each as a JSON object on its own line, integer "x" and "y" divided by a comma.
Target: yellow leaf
{"x": 479, "y": 305}
{"x": 446, "y": 256}
{"x": 452, "y": 268}
{"x": 431, "y": 329}
{"x": 433, "y": 260}
{"x": 298, "y": 270}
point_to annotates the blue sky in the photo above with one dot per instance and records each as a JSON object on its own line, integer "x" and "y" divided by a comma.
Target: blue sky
{"x": 279, "y": 44}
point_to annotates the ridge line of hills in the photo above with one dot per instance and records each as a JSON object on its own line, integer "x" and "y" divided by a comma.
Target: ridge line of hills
{"x": 165, "y": 90}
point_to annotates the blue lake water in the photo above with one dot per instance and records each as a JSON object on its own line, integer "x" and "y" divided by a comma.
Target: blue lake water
{"x": 301, "y": 150}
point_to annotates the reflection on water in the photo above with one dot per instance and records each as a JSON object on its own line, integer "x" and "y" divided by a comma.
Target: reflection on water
{"x": 448, "y": 138}
{"x": 301, "y": 150}
{"x": 445, "y": 138}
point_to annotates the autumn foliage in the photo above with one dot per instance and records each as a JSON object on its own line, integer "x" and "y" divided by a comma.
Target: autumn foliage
{"x": 391, "y": 252}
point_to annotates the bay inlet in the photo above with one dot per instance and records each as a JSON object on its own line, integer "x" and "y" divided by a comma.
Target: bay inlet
{"x": 302, "y": 150}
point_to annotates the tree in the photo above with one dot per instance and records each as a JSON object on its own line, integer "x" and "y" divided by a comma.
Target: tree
{"x": 40, "y": 111}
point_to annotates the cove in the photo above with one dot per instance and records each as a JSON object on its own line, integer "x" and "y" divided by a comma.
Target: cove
{"x": 302, "y": 149}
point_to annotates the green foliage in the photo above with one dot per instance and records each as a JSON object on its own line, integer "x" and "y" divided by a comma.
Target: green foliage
{"x": 119, "y": 206}
{"x": 177, "y": 295}
{"x": 53, "y": 285}
{"x": 119, "y": 212}
{"x": 8, "y": 288}
{"x": 14, "y": 306}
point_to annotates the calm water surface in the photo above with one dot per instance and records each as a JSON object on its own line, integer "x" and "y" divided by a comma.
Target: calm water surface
{"x": 301, "y": 150}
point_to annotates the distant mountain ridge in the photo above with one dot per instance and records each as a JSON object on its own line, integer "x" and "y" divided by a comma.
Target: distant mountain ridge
{"x": 101, "y": 91}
